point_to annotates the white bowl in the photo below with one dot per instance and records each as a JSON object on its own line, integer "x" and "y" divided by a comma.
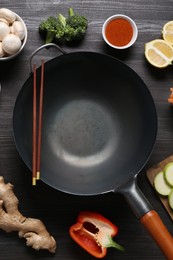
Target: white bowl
{"x": 120, "y": 31}
{"x": 9, "y": 57}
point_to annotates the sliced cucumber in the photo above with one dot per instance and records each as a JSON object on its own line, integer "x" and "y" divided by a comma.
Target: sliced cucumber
{"x": 168, "y": 173}
{"x": 170, "y": 199}
{"x": 160, "y": 184}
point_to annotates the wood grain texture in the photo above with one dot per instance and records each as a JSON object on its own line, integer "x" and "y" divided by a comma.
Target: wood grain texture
{"x": 57, "y": 210}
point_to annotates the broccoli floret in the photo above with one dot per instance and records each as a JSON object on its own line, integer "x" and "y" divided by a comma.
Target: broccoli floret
{"x": 76, "y": 21}
{"x": 71, "y": 28}
{"x": 76, "y": 26}
{"x": 50, "y": 28}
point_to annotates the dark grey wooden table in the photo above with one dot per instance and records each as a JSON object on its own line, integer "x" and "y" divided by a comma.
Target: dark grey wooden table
{"x": 56, "y": 209}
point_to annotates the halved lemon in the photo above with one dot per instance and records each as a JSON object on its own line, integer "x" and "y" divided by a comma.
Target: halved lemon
{"x": 159, "y": 53}
{"x": 167, "y": 32}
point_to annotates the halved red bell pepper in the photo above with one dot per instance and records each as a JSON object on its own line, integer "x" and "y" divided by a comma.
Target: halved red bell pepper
{"x": 94, "y": 233}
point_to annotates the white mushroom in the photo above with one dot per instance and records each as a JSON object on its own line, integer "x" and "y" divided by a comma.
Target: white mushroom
{"x": 3, "y": 20}
{"x": 17, "y": 28}
{"x": 11, "y": 44}
{"x": 8, "y": 15}
{"x": 2, "y": 52}
{"x": 4, "y": 30}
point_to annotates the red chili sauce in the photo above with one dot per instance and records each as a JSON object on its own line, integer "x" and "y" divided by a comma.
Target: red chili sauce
{"x": 119, "y": 32}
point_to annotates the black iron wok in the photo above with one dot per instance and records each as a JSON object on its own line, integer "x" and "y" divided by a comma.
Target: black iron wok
{"x": 99, "y": 129}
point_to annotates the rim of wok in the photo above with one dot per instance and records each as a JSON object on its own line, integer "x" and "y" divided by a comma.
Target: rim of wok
{"x": 138, "y": 162}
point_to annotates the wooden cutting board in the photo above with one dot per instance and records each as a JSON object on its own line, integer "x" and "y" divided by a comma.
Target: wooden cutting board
{"x": 151, "y": 173}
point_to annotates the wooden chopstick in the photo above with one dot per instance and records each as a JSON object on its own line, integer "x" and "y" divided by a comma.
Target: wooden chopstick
{"x": 40, "y": 121}
{"x": 36, "y": 146}
{"x": 34, "y": 128}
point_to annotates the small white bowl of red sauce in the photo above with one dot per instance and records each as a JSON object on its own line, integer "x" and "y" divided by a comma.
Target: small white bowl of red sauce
{"x": 119, "y": 31}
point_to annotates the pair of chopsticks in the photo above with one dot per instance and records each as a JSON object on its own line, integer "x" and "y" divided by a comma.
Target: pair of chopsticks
{"x": 37, "y": 124}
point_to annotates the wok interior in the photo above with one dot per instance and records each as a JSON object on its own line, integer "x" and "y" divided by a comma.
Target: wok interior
{"x": 99, "y": 123}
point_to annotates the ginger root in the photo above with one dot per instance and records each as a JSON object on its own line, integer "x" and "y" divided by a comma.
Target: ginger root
{"x": 33, "y": 230}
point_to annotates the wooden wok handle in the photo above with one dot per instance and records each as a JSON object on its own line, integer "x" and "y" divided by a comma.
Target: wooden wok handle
{"x": 153, "y": 223}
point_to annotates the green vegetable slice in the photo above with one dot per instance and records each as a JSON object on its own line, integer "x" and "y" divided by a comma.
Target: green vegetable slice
{"x": 170, "y": 199}
{"x": 168, "y": 173}
{"x": 160, "y": 184}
